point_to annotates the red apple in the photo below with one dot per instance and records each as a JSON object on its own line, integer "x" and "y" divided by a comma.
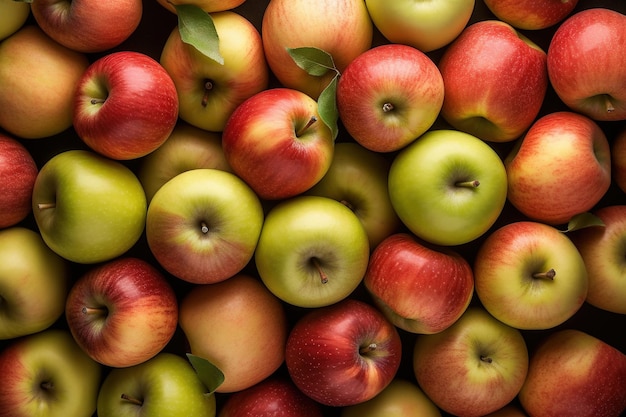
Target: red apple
{"x": 126, "y": 105}
{"x": 531, "y": 14}
{"x": 18, "y": 171}
{"x": 618, "y": 159}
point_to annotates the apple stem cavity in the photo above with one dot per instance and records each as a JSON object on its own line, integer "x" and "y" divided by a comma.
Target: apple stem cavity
{"x": 97, "y": 100}
{"x": 468, "y": 184}
{"x": 204, "y": 228}
{"x": 43, "y": 206}
{"x": 387, "y": 107}
{"x": 303, "y": 129}
{"x": 208, "y": 87}
{"x": 486, "y": 359}
{"x": 130, "y": 399}
{"x": 320, "y": 270}
{"x": 347, "y": 204}
{"x": 549, "y": 275}
{"x": 368, "y": 348}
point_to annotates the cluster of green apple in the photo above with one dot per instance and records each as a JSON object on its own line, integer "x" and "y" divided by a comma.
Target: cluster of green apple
{"x": 297, "y": 208}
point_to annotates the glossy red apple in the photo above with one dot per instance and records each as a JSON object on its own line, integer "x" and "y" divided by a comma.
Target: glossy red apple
{"x": 531, "y": 14}
{"x": 18, "y": 171}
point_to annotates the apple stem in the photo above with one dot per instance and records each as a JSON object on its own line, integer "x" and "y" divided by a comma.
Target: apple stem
{"x": 94, "y": 310}
{"x": 550, "y": 274}
{"x": 369, "y": 348}
{"x": 387, "y": 107}
{"x": 316, "y": 264}
{"x": 42, "y": 206}
{"x": 486, "y": 359}
{"x": 468, "y": 184}
{"x": 131, "y": 399}
{"x": 301, "y": 131}
{"x": 97, "y": 100}
{"x": 208, "y": 87}
{"x": 608, "y": 104}
{"x": 204, "y": 228}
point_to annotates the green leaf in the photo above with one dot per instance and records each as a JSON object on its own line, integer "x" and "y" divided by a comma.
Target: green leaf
{"x": 210, "y": 375}
{"x": 197, "y": 29}
{"x": 580, "y": 221}
{"x": 327, "y": 106}
{"x": 314, "y": 61}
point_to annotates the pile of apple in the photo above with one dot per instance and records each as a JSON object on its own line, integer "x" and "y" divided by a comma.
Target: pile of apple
{"x": 305, "y": 208}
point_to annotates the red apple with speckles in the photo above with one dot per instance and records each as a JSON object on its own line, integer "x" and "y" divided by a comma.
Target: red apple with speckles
{"x": 18, "y": 172}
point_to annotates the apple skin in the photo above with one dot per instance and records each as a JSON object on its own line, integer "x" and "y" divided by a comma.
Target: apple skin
{"x": 531, "y": 14}
{"x": 165, "y": 385}
{"x": 209, "y": 6}
{"x": 343, "y": 354}
{"x": 618, "y": 159}
{"x": 38, "y": 77}
{"x": 98, "y": 207}
{"x": 430, "y": 191}
{"x": 495, "y": 81}
{"x": 420, "y": 289}
{"x": 560, "y": 168}
{"x": 18, "y": 171}
{"x": 122, "y": 312}
{"x": 237, "y": 325}
{"x": 583, "y": 43}
{"x": 125, "y": 106}
{"x": 505, "y": 277}
{"x": 243, "y": 73}
{"x": 13, "y": 15}
{"x": 575, "y": 373}
{"x": 393, "y": 75}
{"x": 509, "y": 410}
{"x": 602, "y": 249}
{"x": 342, "y": 28}
{"x": 203, "y": 225}
{"x": 474, "y": 367}
{"x": 34, "y": 283}
{"x": 269, "y": 143}
{"x": 46, "y": 374}
{"x": 87, "y": 26}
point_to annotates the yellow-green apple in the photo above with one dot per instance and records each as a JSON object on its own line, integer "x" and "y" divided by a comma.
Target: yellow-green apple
{"x": 46, "y": 374}
{"x": 618, "y": 159}
{"x": 474, "y": 367}
{"x": 203, "y": 225}
{"x": 388, "y": 96}
{"x": 530, "y": 275}
{"x": 38, "y": 77}
{"x": 188, "y": 147}
{"x": 603, "y": 250}
{"x": 531, "y": 14}
{"x": 342, "y": 28}
{"x": 274, "y": 396}
{"x": 88, "y": 26}
{"x": 419, "y": 288}
{"x": 238, "y": 326}
{"x": 495, "y": 81}
{"x": 448, "y": 187}
{"x": 88, "y": 208}
{"x": 560, "y": 168}
{"x": 575, "y": 373}
{"x": 18, "y": 171}
{"x": 277, "y": 143}
{"x": 13, "y": 15}
{"x": 343, "y": 354}
{"x": 122, "y": 312}
{"x": 587, "y": 63}
{"x": 401, "y": 398}
{"x": 34, "y": 283}
{"x": 209, "y": 91}
{"x": 313, "y": 251}
{"x": 126, "y": 105}
{"x": 209, "y": 6}
{"x": 165, "y": 385}
{"x": 357, "y": 177}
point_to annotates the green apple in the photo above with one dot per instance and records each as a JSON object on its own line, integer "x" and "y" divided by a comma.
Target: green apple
{"x": 46, "y": 374}
{"x": 13, "y": 15}
{"x": 448, "y": 187}
{"x": 313, "y": 251}
{"x": 88, "y": 208}
{"x": 163, "y": 386}
{"x": 33, "y": 283}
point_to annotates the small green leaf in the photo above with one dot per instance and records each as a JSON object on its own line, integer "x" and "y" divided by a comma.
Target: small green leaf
{"x": 314, "y": 61}
{"x": 580, "y": 221}
{"x": 198, "y": 30}
{"x": 210, "y": 375}
{"x": 327, "y": 106}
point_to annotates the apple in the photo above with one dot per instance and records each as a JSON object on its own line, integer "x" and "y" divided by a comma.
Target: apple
{"x": 573, "y": 372}
{"x": 208, "y": 91}
{"x": 18, "y": 171}
{"x": 88, "y": 26}
{"x": 420, "y": 289}
{"x": 88, "y": 208}
{"x": 126, "y": 105}
{"x": 495, "y": 81}
{"x": 272, "y": 397}
{"x": 122, "y": 312}
{"x": 46, "y": 374}
{"x": 357, "y": 177}
{"x": 34, "y": 282}
{"x": 343, "y": 354}
{"x": 401, "y": 398}
{"x": 313, "y": 251}
{"x": 560, "y": 168}
{"x": 13, "y": 15}
{"x": 531, "y": 14}
{"x": 238, "y": 326}
{"x": 474, "y": 367}
{"x": 38, "y": 77}
{"x": 188, "y": 147}
{"x": 203, "y": 225}
{"x": 448, "y": 187}
{"x": 530, "y": 275}
{"x": 585, "y": 42}
{"x": 426, "y": 26}
{"x": 618, "y": 159}
{"x": 209, "y": 6}
{"x": 277, "y": 143}
{"x": 343, "y": 29}
{"x": 388, "y": 96}
{"x": 165, "y": 385}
